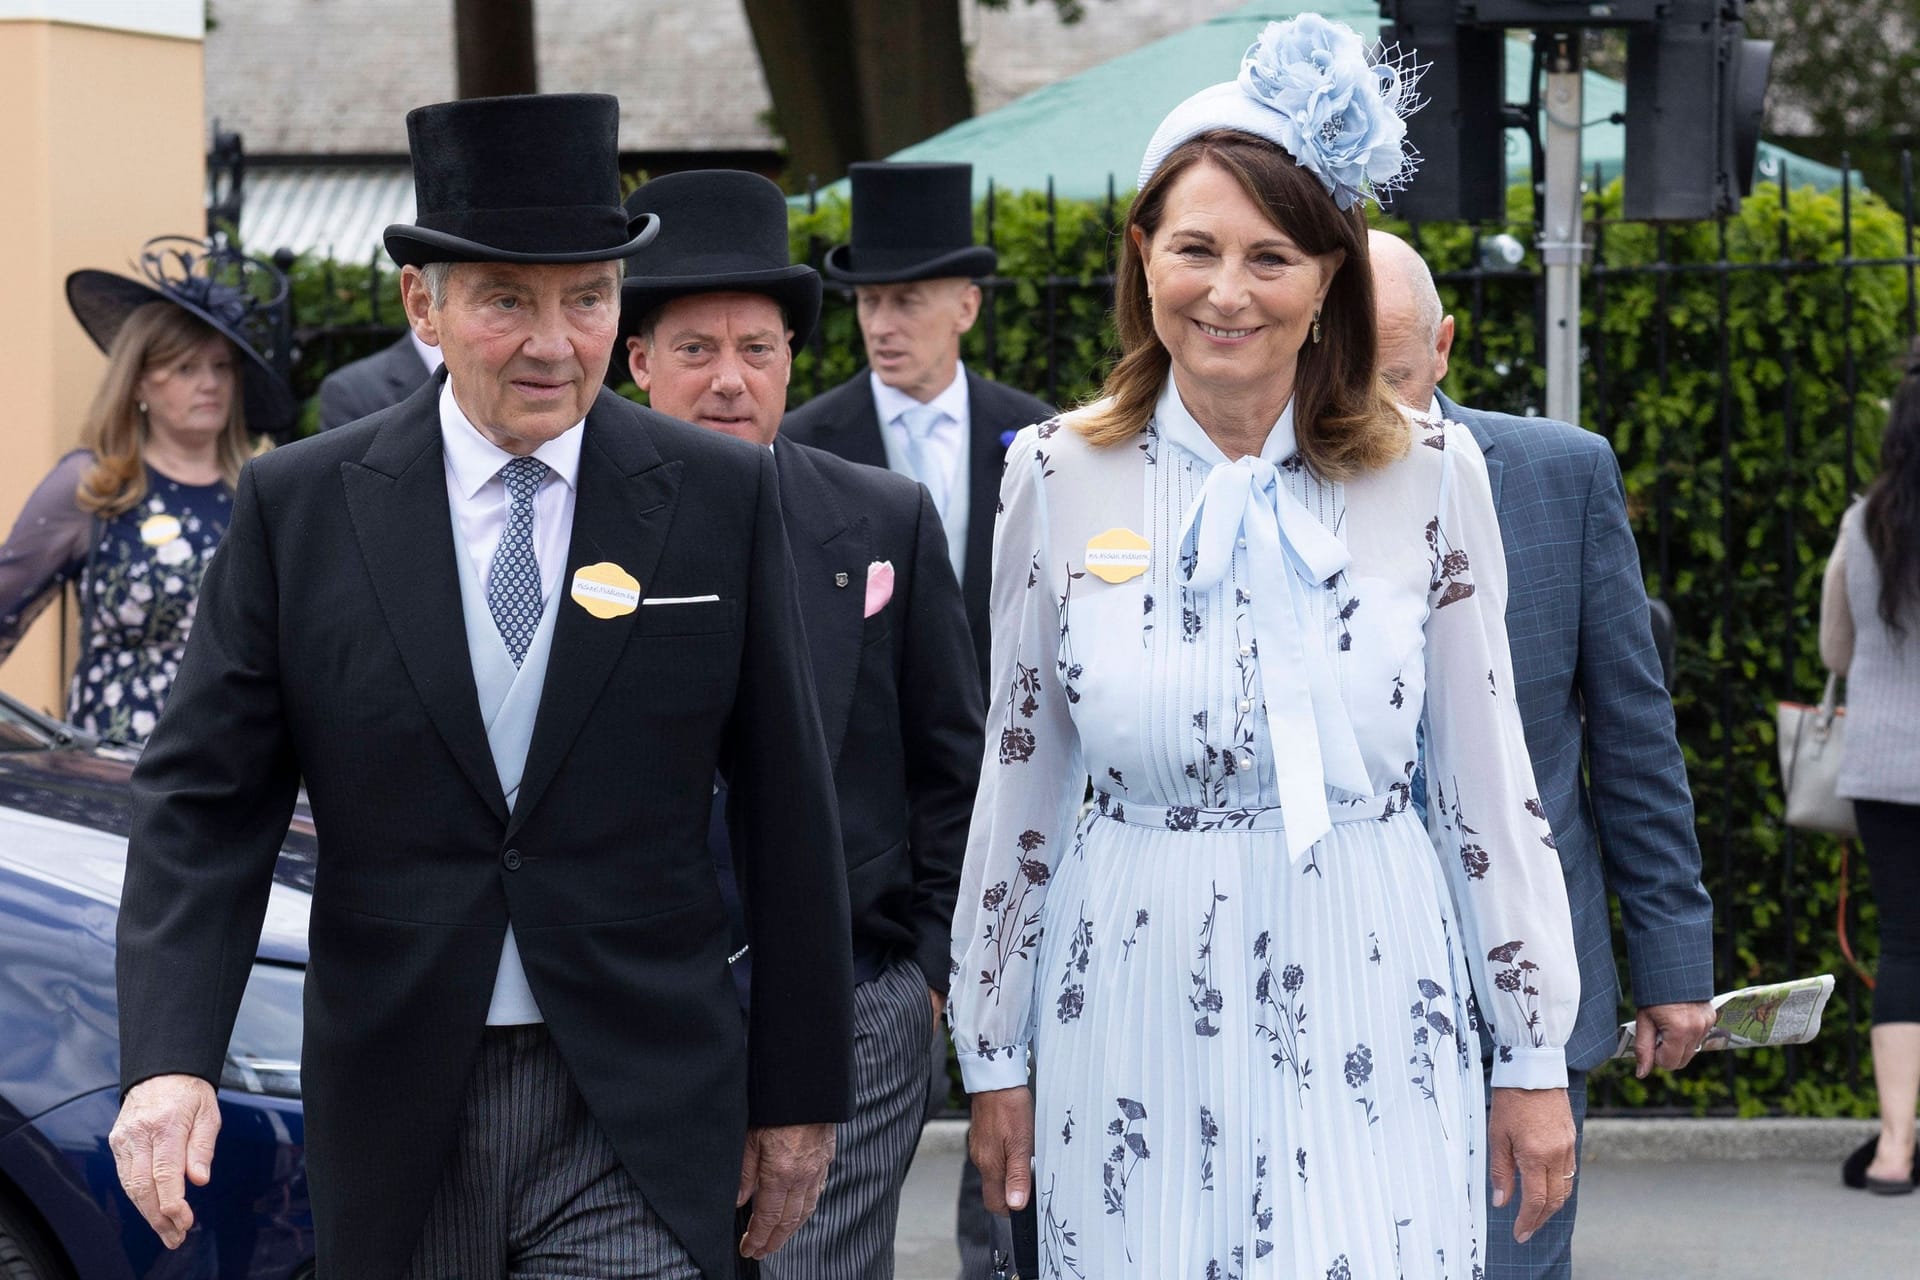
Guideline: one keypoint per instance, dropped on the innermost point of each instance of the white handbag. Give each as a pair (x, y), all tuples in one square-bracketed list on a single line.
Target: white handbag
[(1810, 740)]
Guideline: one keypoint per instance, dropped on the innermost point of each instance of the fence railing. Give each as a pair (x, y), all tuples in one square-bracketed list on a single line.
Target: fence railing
[(1740, 367)]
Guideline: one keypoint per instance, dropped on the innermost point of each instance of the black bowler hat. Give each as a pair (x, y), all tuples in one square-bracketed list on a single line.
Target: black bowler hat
[(530, 178), (725, 232), (240, 298), (910, 222)]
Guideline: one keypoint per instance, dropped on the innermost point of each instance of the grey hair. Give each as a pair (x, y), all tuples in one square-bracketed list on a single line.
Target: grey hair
[(436, 274)]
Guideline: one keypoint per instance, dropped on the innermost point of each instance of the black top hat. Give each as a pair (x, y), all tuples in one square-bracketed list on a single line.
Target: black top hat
[(238, 297), (532, 178), (726, 232), (910, 222)]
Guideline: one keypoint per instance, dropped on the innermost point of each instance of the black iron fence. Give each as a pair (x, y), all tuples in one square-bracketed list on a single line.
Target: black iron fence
[(1741, 369)]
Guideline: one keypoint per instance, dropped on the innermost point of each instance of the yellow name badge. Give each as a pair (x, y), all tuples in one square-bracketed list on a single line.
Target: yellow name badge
[(158, 531), (1117, 555), (605, 590)]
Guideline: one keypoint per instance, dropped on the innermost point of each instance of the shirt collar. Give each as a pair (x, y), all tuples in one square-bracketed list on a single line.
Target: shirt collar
[(428, 353), (1177, 424), (891, 402), (474, 459)]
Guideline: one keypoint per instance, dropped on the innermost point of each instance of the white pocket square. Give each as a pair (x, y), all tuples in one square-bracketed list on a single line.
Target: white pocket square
[(679, 599)]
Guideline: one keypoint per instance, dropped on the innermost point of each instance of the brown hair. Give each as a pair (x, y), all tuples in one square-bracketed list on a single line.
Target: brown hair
[(1344, 419), (115, 432)]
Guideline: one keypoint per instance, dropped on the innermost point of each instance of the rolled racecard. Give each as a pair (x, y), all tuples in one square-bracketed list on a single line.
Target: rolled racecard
[(1779, 1013)]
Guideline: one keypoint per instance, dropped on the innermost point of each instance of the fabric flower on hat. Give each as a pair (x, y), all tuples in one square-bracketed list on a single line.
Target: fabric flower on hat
[(1340, 115)]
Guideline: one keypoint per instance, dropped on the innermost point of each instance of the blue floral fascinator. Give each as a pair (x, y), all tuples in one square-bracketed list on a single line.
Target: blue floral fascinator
[(243, 299), (1312, 88)]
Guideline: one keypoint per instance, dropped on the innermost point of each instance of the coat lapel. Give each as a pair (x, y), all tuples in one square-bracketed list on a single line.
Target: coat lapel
[(397, 501), (825, 543), (986, 459), (856, 423), (1465, 417), (622, 513)]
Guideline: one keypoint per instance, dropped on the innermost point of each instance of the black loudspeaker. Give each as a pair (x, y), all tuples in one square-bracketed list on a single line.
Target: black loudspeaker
[(1460, 131), (1695, 96)]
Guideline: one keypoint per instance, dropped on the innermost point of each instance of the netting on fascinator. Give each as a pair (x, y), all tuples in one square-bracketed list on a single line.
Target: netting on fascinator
[(1311, 87)]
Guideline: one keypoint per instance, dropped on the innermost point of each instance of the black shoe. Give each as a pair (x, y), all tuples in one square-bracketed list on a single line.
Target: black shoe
[(1853, 1172)]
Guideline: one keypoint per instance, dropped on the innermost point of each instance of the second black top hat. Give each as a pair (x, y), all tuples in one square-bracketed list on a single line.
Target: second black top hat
[(530, 178), (723, 231), (910, 222)]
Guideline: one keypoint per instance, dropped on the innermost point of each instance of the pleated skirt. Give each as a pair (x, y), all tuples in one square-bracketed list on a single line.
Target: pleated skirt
[(1247, 1067)]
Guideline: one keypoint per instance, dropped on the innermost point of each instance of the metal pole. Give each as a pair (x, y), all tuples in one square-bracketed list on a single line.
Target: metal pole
[(1561, 244)]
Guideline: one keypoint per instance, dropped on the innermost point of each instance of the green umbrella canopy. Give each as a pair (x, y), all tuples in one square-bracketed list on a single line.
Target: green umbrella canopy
[(1092, 127)]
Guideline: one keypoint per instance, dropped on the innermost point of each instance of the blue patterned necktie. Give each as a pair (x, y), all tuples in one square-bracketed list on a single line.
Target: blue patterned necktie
[(513, 580), (922, 456)]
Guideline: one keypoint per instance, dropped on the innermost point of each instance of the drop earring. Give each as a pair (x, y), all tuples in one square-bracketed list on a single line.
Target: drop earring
[(1316, 328), (143, 407)]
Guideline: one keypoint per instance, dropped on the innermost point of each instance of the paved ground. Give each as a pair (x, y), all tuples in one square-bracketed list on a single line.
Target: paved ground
[(1766, 1205)]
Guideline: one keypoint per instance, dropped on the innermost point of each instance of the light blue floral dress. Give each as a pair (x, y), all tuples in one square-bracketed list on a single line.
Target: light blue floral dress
[(139, 596), (1244, 971)]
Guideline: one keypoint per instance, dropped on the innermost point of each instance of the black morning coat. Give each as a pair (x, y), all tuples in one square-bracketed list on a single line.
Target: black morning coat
[(898, 699), (384, 378), (843, 421), (330, 645)]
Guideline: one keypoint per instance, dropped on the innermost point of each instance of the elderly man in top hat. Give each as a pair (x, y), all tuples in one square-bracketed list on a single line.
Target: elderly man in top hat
[(505, 632), (917, 409), (712, 312), (1598, 719)]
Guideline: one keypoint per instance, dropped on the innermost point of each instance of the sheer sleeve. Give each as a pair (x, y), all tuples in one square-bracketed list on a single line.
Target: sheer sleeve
[(1487, 820), (48, 545), (1031, 784)]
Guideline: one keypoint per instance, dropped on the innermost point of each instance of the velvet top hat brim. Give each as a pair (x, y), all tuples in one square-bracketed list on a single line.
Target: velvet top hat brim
[(796, 289), (725, 232), (102, 301), (531, 178), (850, 264), (582, 235)]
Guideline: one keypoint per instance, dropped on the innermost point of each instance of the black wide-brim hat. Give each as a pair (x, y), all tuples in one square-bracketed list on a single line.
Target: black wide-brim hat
[(910, 222), (235, 296), (529, 178), (724, 231)]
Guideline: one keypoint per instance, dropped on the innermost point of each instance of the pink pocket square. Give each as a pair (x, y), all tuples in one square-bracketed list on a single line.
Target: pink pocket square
[(879, 586)]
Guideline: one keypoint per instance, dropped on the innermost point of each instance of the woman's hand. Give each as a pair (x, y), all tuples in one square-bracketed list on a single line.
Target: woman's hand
[(1529, 1132), (1000, 1140)]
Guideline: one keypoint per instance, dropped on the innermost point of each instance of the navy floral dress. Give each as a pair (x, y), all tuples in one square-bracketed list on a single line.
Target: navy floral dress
[(1246, 970), (138, 601)]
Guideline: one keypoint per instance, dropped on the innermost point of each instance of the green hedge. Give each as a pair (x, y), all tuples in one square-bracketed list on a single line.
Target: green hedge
[(1785, 341)]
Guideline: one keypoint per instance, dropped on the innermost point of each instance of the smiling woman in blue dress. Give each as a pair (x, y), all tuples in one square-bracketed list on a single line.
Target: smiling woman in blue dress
[(1230, 592), (134, 515)]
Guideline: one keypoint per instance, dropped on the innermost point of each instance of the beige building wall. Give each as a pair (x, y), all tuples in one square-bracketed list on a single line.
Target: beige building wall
[(103, 148)]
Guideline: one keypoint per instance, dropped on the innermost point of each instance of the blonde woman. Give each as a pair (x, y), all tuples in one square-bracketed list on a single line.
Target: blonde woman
[(135, 514)]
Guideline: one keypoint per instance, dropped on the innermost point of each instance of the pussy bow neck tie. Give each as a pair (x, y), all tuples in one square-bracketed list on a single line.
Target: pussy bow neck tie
[(1309, 736)]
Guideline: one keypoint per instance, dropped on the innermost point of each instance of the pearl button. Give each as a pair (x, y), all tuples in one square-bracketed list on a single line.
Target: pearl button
[(1246, 651), (1246, 762), (1246, 704), (1243, 542)]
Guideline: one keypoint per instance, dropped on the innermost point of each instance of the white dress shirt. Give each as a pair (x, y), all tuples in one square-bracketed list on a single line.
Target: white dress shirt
[(428, 353), (947, 443), (477, 497)]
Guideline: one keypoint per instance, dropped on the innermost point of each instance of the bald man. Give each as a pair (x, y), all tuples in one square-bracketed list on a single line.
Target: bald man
[(1589, 688)]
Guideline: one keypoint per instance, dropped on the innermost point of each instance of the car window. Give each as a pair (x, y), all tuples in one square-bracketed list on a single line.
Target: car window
[(17, 733)]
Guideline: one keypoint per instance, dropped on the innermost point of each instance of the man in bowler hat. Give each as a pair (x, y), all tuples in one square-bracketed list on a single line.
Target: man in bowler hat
[(917, 409), (506, 632), (711, 314)]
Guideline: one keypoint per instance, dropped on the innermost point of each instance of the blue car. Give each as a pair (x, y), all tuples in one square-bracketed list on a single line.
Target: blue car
[(64, 818)]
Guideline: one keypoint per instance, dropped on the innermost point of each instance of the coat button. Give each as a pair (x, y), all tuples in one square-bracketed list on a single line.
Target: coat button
[(511, 860)]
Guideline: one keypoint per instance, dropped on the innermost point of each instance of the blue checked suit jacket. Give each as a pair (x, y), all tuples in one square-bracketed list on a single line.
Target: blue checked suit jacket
[(1590, 693)]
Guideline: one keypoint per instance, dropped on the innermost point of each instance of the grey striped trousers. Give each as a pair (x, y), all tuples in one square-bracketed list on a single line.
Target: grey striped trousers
[(533, 1190), (850, 1235)]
